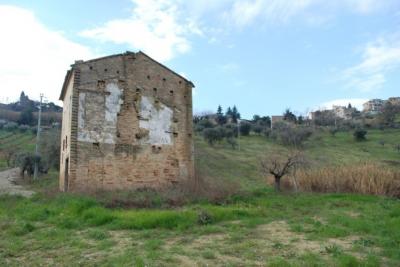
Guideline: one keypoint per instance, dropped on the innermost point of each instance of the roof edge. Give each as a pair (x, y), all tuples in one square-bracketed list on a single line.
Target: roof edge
[(65, 84), (162, 65)]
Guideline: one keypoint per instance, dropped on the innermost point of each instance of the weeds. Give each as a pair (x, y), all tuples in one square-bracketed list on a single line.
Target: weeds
[(333, 249)]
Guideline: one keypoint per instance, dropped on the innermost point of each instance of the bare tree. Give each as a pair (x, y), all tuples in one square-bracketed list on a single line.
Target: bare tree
[(280, 164)]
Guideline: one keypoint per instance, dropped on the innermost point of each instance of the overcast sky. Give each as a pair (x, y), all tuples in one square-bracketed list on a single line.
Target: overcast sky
[(262, 55)]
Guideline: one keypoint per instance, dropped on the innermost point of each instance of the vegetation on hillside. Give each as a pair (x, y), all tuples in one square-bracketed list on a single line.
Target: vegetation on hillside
[(231, 216), (25, 112)]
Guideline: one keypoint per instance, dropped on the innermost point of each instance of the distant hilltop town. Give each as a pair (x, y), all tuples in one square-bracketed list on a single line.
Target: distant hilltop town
[(372, 107)]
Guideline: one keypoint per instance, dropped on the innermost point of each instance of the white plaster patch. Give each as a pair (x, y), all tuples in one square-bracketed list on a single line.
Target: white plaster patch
[(157, 120), (113, 102), (102, 130)]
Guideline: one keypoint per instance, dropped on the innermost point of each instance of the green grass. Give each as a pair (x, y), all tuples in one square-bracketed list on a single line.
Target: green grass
[(80, 225)]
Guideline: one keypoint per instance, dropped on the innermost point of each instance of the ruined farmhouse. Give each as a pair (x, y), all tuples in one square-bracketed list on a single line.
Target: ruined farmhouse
[(127, 123)]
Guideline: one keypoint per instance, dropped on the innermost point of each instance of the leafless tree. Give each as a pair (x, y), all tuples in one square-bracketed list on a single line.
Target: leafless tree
[(279, 164)]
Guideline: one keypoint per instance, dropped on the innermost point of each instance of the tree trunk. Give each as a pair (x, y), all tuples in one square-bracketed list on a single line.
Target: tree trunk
[(277, 184)]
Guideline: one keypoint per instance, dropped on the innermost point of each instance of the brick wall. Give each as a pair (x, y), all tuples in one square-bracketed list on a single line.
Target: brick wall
[(130, 126)]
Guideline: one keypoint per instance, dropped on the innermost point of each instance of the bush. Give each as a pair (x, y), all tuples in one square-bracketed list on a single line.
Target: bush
[(231, 130), (2, 123), (204, 218), (26, 117), (34, 130), (26, 163), (333, 131), (245, 128), (267, 132), (257, 129), (221, 132), (23, 128), (211, 135), (360, 134), (50, 148), (10, 126), (205, 123), (232, 142), (293, 136), (198, 128)]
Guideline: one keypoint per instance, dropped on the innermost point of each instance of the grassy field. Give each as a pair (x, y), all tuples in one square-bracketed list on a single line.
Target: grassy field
[(264, 228), (256, 228)]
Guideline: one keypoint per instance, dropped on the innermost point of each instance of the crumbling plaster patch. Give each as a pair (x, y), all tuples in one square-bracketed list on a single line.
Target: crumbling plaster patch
[(103, 132), (113, 102), (157, 119)]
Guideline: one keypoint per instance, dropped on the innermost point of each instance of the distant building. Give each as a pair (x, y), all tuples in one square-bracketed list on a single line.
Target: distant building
[(394, 101), (343, 112), (275, 119), (373, 105)]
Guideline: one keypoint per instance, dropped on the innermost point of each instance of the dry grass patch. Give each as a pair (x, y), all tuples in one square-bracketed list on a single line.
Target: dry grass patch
[(366, 178), (279, 237)]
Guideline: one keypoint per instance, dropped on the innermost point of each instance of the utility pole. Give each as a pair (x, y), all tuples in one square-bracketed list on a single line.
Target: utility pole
[(35, 175), (238, 123)]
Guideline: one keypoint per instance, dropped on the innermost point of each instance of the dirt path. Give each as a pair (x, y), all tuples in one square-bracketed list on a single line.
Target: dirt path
[(8, 185)]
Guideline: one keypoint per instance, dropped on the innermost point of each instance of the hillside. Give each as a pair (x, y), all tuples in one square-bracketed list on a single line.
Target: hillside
[(322, 149), (257, 228), (15, 141)]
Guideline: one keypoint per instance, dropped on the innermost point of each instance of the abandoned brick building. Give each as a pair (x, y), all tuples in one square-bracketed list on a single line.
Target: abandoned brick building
[(127, 123)]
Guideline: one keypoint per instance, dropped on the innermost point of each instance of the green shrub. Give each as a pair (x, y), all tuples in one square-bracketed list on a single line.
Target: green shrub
[(23, 128), (10, 126), (258, 129), (212, 135), (245, 128), (360, 134), (204, 218)]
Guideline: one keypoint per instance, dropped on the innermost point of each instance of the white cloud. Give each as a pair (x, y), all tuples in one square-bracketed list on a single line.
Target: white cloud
[(245, 12), (158, 27), (33, 58), (355, 102), (378, 58)]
